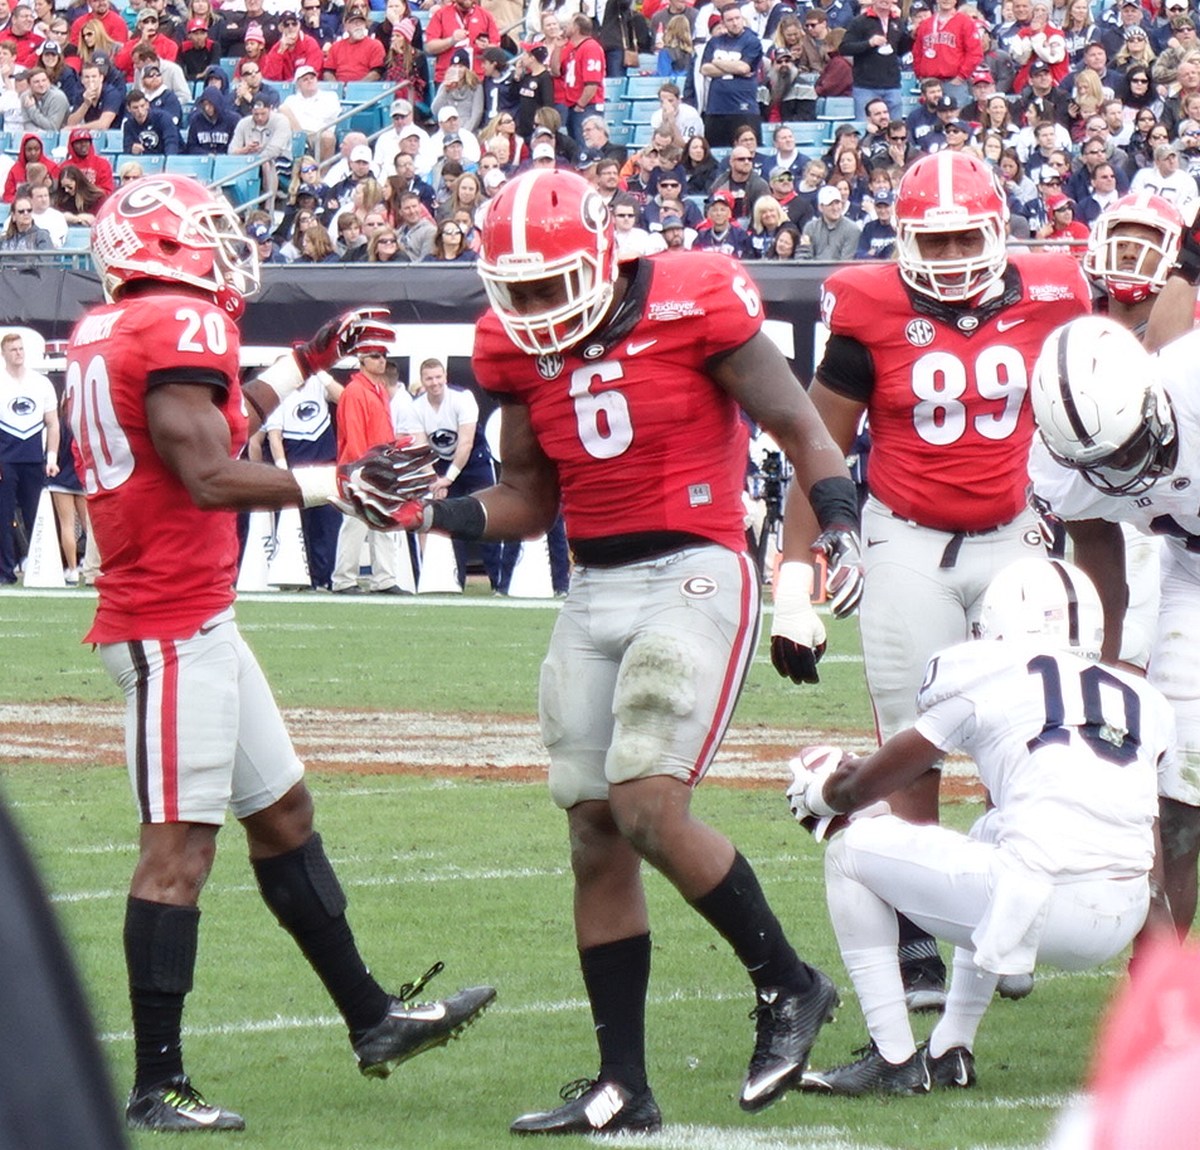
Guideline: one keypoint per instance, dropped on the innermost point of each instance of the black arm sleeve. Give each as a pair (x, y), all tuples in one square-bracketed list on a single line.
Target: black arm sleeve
[(848, 368)]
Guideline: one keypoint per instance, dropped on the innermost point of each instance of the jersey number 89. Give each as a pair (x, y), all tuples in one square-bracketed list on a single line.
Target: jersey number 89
[(939, 382)]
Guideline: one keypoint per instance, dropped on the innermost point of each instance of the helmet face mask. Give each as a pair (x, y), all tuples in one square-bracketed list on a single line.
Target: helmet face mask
[(951, 227), (171, 229), (548, 260), (1133, 246), (1046, 602), (1099, 408)]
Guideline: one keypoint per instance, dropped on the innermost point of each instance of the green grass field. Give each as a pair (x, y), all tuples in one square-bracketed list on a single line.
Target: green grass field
[(474, 873)]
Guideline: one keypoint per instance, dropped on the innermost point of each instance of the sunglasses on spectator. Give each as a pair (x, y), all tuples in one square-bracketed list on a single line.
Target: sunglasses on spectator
[(309, 168), (22, 211), (310, 7), (624, 215), (1139, 79), (668, 183), (386, 240), (250, 72)]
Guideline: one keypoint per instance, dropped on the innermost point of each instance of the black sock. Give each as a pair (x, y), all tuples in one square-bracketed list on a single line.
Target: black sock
[(305, 896), (916, 944), (617, 975), (160, 956), (738, 910)]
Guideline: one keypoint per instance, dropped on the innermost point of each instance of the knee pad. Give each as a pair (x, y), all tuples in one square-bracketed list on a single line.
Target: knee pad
[(160, 946), (655, 689), (301, 887)]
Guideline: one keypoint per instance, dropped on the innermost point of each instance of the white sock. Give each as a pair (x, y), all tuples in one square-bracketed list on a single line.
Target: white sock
[(970, 995)]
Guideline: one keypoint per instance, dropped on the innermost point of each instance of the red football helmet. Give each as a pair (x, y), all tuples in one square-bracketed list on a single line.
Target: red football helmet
[(172, 228), (1134, 245), (553, 228), (950, 192)]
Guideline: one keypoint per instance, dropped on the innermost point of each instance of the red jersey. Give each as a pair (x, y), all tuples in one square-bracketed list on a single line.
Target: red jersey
[(350, 60), (479, 23), (946, 388), (168, 566), (947, 48), (643, 439), (583, 64)]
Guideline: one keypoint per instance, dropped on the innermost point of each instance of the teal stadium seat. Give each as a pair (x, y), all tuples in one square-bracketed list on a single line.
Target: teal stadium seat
[(375, 118), (198, 167), (149, 163), (241, 186), (836, 108), (643, 87)]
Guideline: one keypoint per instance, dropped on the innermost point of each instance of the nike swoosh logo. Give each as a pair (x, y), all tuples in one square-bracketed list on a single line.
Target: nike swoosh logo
[(752, 1090), (430, 1012), (634, 348), (875, 542), (961, 1077), (1005, 324), (207, 1118)]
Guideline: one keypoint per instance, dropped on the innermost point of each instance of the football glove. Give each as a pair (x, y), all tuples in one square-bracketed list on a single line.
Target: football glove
[(379, 487), (797, 633), (810, 770), (341, 337), (844, 581)]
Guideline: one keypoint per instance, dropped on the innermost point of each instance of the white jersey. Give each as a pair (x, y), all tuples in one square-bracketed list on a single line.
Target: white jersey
[(1068, 749), (1172, 506), (24, 403), (305, 413), (440, 424)]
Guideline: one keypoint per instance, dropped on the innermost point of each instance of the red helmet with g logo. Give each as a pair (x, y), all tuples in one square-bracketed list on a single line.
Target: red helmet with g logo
[(1133, 246)]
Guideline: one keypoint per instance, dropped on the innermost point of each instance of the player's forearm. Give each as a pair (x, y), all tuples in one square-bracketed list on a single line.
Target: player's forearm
[(517, 513), (860, 782), (1099, 551)]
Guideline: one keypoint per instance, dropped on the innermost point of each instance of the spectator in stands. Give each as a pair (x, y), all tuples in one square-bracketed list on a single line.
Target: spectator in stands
[(102, 12), (357, 56), (742, 183), (832, 236), (294, 51), (598, 142), (199, 52), (321, 25), (467, 197), (387, 144), (148, 130), (130, 170), (312, 110), (460, 24), (535, 87), (500, 85), (403, 40), (316, 247), (1165, 178), (460, 91), (31, 151), (946, 46), (100, 103), (786, 244), (237, 27), (499, 136), (699, 168), (45, 105), (449, 124), (719, 232), (730, 61), (20, 33), (211, 125), (765, 221), (358, 172), (877, 241), (351, 240), (415, 230), (203, 10), (48, 218), (149, 33), (82, 152), (874, 42), (623, 33), (62, 75), (249, 87), (254, 47), (266, 135), (448, 245), (301, 219), (22, 234), (683, 120), (583, 70), (152, 80), (1103, 195), (796, 209), (405, 179), (384, 248), (77, 197), (94, 39)]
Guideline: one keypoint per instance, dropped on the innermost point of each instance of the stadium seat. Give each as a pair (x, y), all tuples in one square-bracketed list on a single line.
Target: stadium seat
[(241, 186), (807, 132), (620, 133), (198, 167), (835, 108), (613, 87), (378, 115), (640, 111), (149, 163), (643, 87), (79, 239), (641, 134)]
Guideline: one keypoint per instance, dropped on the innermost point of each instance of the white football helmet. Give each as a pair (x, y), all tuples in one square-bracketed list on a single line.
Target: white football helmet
[(1100, 408), (1047, 600), (553, 228), (949, 193), (1134, 245)]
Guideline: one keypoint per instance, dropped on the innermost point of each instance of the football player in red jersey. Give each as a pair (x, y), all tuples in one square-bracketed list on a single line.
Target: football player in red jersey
[(623, 387), (937, 349), (159, 421)]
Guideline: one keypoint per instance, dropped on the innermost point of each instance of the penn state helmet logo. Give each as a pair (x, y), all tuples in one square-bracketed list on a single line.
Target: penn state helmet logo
[(444, 441), (307, 411)]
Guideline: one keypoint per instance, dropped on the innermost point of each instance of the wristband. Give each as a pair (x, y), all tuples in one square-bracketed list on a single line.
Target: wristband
[(318, 485), (283, 376), (814, 797), (452, 473), (834, 502), (51, 457), (464, 518)]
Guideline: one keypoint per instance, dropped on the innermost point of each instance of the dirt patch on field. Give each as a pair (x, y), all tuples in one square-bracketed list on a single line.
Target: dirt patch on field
[(411, 742)]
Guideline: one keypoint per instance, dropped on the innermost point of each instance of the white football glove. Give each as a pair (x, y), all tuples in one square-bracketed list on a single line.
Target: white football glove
[(810, 770), (844, 581), (797, 633)]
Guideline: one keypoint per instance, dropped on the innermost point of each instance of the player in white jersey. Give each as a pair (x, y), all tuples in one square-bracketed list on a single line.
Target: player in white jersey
[(1108, 454), (1058, 871)]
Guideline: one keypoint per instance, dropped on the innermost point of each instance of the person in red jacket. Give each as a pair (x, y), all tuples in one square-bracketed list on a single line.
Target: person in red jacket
[(460, 24), (292, 49), (364, 416), (21, 35), (30, 152), (149, 33), (82, 153), (101, 10), (947, 47)]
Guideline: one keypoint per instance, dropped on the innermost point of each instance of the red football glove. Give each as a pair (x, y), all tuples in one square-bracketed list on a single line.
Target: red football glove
[(381, 487), (341, 337)]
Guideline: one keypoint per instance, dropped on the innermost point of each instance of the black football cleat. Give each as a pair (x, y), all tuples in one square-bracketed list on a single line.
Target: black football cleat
[(177, 1105), (955, 1068), (591, 1107), (871, 1074), (788, 1024), (924, 983), (410, 1028)]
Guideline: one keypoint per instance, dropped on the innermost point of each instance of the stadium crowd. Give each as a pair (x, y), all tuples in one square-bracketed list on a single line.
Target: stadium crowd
[(771, 131)]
